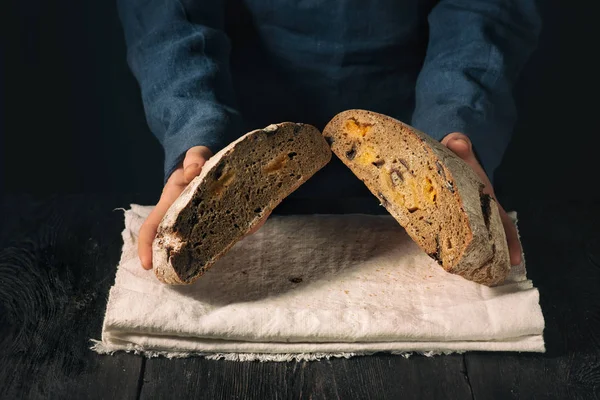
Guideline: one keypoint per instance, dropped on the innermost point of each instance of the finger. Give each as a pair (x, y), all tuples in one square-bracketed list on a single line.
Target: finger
[(191, 171), (146, 237), (194, 161), (177, 179), (196, 155), (460, 145), (171, 191), (149, 228), (512, 238)]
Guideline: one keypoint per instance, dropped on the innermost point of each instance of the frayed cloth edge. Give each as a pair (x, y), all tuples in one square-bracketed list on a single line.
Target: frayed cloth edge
[(101, 348)]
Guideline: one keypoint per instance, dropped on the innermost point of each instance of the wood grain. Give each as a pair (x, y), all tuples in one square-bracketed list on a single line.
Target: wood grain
[(57, 263), (372, 377), (558, 243)]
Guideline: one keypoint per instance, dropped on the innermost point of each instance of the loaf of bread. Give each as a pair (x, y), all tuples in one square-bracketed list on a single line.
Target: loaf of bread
[(430, 191), (237, 188)]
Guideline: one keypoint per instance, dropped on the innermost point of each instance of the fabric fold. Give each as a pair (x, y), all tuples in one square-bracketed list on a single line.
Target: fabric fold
[(313, 286)]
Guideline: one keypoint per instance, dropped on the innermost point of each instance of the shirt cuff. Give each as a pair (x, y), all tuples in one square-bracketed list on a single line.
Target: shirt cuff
[(214, 131)]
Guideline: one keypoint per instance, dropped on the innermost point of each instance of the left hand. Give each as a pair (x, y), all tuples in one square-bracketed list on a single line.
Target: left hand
[(187, 170), (461, 145)]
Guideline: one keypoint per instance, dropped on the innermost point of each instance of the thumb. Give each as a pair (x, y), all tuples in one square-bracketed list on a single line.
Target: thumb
[(193, 162), (191, 171), (459, 144), (197, 155)]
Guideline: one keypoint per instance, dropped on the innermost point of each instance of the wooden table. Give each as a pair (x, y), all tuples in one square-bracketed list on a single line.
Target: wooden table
[(57, 262)]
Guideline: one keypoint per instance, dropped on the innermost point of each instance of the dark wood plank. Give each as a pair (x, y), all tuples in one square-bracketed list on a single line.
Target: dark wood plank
[(57, 262), (395, 377), (562, 252), (370, 377)]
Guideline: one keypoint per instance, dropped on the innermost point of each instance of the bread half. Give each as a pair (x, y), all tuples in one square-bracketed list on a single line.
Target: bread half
[(236, 189), (429, 190)]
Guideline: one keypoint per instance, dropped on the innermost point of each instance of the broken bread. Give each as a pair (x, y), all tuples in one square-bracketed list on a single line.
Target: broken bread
[(430, 191), (237, 188)]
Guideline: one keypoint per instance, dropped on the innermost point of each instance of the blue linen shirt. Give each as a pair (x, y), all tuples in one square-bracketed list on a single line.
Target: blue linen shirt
[(212, 70)]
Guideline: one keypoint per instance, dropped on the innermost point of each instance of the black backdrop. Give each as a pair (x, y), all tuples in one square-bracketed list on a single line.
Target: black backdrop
[(72, 118)]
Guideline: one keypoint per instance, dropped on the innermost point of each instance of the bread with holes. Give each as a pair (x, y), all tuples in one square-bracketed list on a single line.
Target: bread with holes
[(430, 191), (235, 190)]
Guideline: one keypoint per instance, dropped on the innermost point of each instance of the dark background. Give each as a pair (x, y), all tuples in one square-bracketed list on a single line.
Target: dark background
[(73, 122)]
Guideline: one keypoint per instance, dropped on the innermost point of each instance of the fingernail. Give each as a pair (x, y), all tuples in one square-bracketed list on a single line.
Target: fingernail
[(461, 139), (465, 142)]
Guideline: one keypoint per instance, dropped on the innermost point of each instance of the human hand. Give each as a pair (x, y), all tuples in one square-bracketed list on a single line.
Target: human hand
[(177, 182), (462, 147)]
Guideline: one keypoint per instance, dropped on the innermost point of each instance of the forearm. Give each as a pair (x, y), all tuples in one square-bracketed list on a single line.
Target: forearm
[(180, 56), (475, 54)]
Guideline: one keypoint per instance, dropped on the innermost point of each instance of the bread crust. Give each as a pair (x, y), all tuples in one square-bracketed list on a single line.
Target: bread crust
[(241, 184), (469, 238)]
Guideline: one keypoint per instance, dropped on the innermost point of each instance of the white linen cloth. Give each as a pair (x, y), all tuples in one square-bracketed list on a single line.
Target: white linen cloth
[(313, 286)]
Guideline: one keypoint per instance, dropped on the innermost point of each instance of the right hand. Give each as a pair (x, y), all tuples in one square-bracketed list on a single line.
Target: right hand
[(461, 145), (177, 182)]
